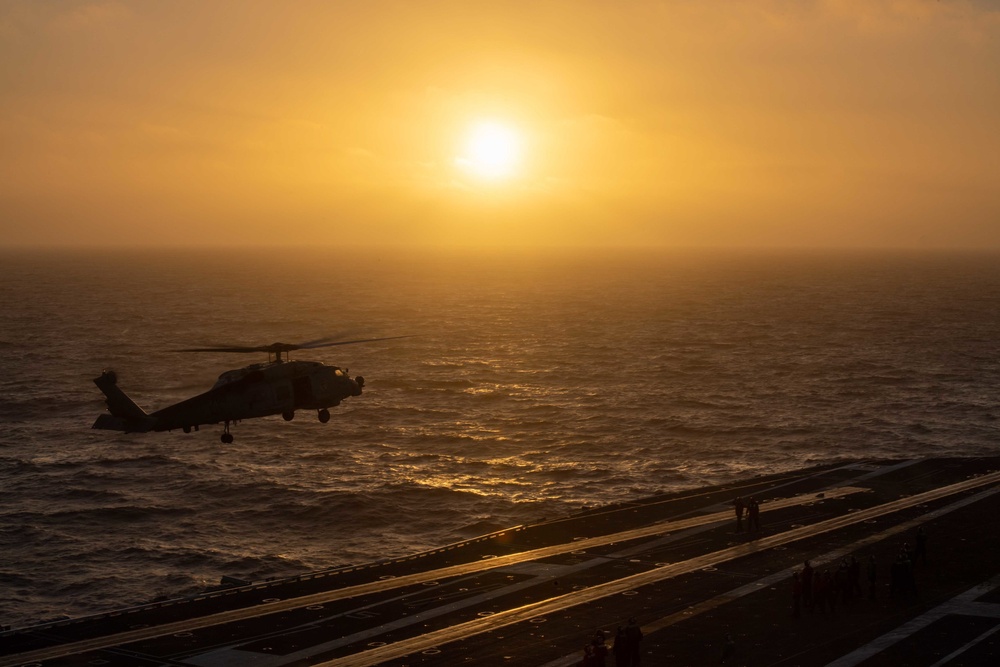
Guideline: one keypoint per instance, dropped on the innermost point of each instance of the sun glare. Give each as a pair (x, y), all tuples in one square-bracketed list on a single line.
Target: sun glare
[(491, 151)]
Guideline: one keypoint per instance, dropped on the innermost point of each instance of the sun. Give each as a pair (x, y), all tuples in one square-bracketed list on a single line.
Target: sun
[(492, 151)]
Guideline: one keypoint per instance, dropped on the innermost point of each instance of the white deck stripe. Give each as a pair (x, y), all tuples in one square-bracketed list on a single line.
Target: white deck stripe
[(962, 649), (960, 604)]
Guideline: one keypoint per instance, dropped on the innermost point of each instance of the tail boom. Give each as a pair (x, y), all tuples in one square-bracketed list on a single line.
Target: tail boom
[(125, 414)]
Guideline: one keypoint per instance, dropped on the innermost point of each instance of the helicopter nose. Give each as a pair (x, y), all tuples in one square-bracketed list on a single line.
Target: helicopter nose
[(359, 383)]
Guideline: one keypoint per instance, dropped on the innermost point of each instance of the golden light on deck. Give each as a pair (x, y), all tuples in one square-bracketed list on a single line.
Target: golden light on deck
[(491, 151)]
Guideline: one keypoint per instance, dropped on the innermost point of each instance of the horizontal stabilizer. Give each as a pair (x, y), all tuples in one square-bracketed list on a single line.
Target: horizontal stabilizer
[(113, 423)]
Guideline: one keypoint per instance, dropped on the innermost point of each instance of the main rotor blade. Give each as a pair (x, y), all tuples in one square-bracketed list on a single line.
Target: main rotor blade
[(222, 349), (326, 342), (340, 335), (274, 348)]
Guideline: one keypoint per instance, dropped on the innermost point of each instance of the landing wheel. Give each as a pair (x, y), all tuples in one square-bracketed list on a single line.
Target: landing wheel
[(324, 415), (187, 429), (227, 438), (288, 415)]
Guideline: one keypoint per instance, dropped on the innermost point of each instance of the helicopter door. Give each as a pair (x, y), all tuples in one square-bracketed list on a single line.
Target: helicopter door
[(302, 387)]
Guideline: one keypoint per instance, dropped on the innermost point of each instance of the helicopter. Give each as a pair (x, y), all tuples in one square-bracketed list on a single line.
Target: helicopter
[(279, 386)]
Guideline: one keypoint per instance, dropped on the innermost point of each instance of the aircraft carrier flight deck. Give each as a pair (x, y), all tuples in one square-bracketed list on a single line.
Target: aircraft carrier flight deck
[(701, 589)]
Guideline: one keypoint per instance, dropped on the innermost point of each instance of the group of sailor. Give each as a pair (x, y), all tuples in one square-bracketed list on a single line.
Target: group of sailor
[(752, 508), (625, 648), (822, 591)]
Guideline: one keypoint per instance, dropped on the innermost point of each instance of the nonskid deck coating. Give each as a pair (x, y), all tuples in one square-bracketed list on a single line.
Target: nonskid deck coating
[(385, 619)]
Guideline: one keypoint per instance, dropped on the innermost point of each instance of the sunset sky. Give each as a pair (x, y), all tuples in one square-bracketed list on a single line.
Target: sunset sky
[(831, 123)]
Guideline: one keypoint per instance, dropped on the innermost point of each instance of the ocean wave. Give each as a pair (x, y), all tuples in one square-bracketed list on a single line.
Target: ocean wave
[(531, 390)]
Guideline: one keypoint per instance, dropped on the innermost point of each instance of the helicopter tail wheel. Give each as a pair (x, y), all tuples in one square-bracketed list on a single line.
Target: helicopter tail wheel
[(324, 415), (288, 415)]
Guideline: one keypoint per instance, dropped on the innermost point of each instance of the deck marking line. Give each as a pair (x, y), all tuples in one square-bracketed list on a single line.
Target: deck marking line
[(216, 657), (962, 649), (954, 606), (502, 619), (970, 608), (379, 586), (260, 610)]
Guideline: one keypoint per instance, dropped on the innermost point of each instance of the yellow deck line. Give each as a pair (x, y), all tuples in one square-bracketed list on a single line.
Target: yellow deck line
[(544, 607), (189, 625)]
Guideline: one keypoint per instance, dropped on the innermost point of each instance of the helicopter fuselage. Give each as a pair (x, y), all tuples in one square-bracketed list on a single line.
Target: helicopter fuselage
[(258, 390)]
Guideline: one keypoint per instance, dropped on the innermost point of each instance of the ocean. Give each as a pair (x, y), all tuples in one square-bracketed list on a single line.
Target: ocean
[(535, 383)]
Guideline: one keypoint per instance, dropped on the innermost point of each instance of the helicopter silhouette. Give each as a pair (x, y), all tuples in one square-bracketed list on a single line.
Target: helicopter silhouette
[(280, 386)]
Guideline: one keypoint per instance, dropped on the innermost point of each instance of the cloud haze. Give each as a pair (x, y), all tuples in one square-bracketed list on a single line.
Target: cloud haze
[(677, 123)]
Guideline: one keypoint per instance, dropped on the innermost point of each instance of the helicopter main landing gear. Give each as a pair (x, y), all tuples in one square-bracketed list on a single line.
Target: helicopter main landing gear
[(227, 437), (324, 415), (288, 415)]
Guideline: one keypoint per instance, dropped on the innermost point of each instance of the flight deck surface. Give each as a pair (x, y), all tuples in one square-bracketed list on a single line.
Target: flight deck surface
[(535, 595)]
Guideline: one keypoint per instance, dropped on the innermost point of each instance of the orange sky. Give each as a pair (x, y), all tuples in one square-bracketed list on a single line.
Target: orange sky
[(678, 123)]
